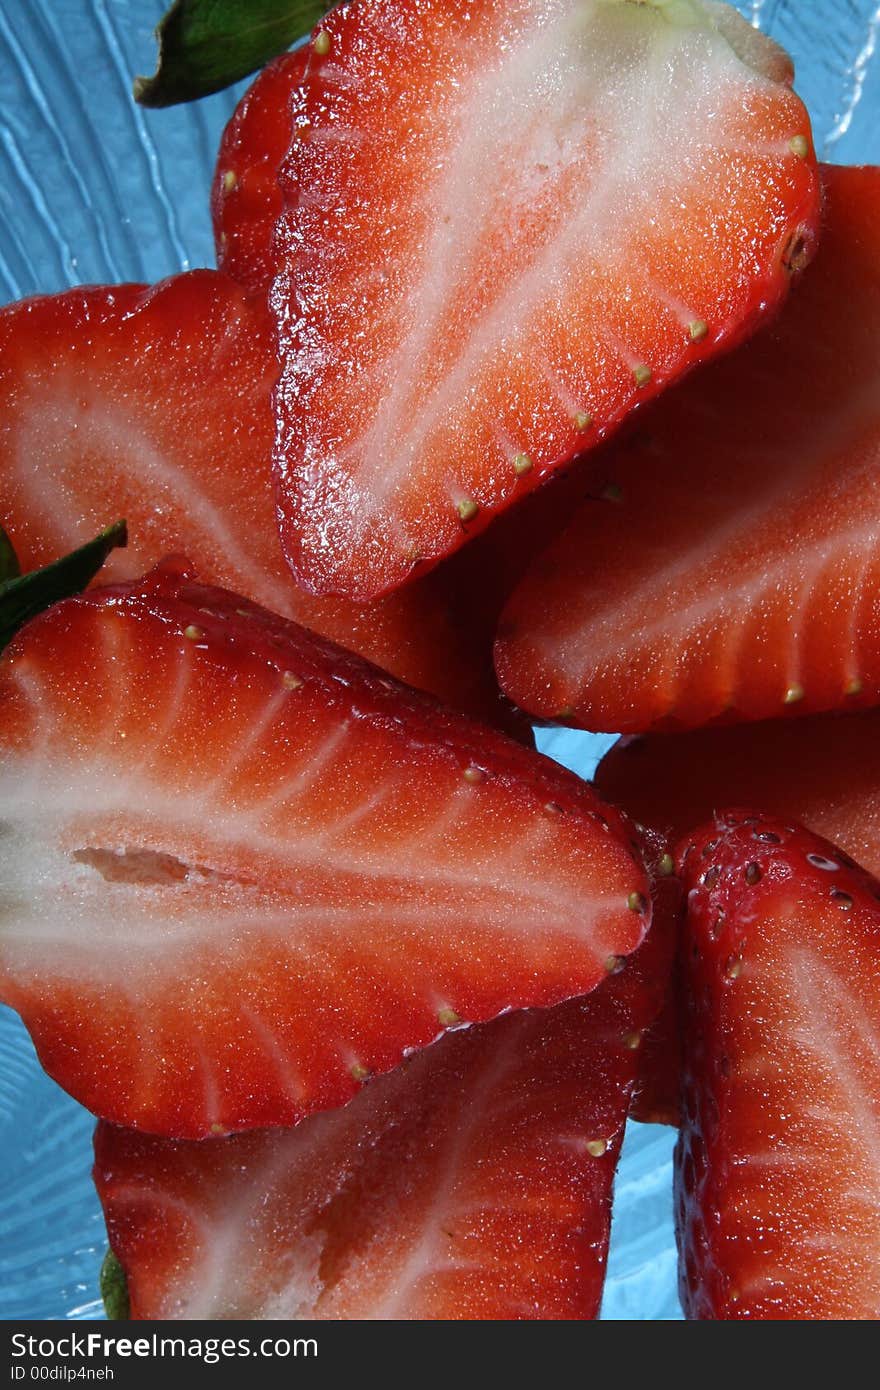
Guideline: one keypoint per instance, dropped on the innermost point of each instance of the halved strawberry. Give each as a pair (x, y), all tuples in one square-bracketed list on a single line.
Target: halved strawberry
[(655, 1097), (246, 202), (778, 1188), (154, 404), (736, 577), (823, 771), (472, 1182), (245, 197), (245, 869), (506, 226)]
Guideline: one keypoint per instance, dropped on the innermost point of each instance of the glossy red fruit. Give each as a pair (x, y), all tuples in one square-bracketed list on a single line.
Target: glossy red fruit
[(474, 1182), (487, 258), (736, 578), (822, 771), (476, 583), (778, 1195), (246, 869), (154, 404), (245, 197), (656, 1094)]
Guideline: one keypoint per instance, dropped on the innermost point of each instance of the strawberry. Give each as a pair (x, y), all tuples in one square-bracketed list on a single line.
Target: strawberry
[(655, 1098), (154, 404), (245, 197), (758, 596), (246, 202), (486, 260), (777, 1186), (823, 771), (472, 1182), (247, 869)]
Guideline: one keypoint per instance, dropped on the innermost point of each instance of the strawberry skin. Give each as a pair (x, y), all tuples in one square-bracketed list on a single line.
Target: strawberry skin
[(154, 404), (777, 1189), (823, 772), (484, 263), (247, 869), (474, 1182), (757, 597), (245, 197)]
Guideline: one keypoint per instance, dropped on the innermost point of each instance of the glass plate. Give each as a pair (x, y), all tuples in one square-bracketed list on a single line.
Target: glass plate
[(93, 189)]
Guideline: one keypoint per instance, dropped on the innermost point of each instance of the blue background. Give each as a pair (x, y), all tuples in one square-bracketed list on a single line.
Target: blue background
[(92, 189)]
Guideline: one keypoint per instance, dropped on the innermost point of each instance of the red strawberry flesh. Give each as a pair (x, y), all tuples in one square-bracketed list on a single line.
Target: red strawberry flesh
[(736, 576), (474, 1182), (505, 227), (778, 1197), (245, 197), (154, 405), (246, 869), (822, 771)]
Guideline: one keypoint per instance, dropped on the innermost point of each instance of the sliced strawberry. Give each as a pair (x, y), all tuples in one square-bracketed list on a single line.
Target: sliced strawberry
[(823, 771), (246, 202), (246, 869), (505, 227), (154, 404), (245, 197), (656, 1094), (472, 1182), (730, 581), (778, 1186)]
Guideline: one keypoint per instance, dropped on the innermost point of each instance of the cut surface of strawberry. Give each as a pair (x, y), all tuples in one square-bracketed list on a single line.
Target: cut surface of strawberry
[(474, 1182), (154, 404), (778, 1194), (822, 771), (246, 869), (655, 1097), (505, 226), (736, 576), (245, 197)]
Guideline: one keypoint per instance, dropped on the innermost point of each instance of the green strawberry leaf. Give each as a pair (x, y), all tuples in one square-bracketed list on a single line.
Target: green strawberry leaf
[(23, 596), (114, 1289), (205, 45), (9, 566)]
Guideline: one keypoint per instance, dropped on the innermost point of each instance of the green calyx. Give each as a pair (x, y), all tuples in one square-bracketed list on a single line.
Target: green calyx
[(23, 596), (206, 45), (114, 1289)]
